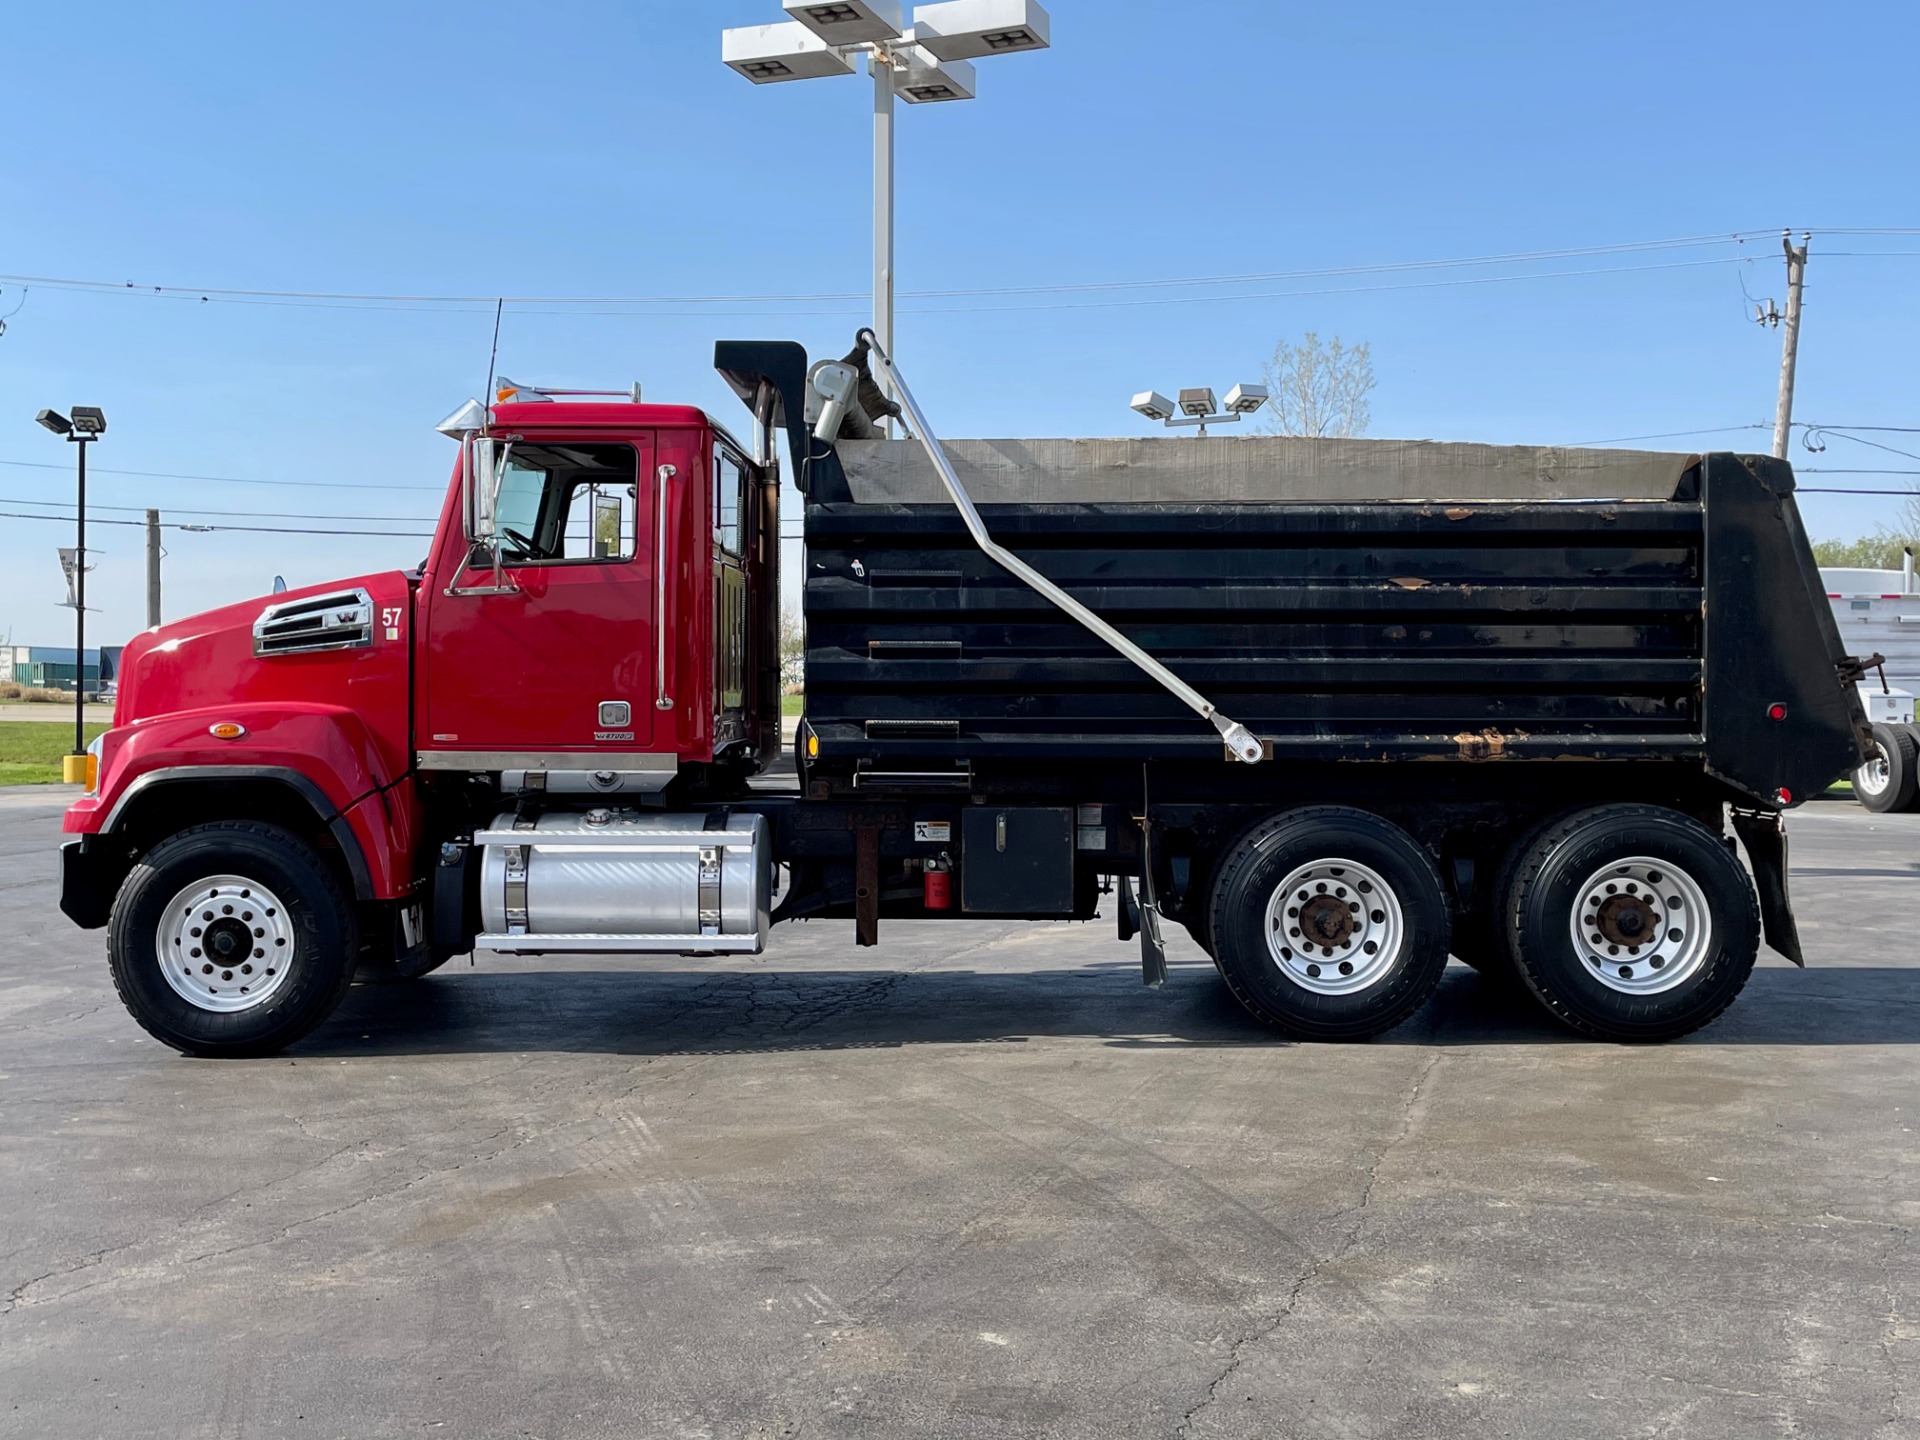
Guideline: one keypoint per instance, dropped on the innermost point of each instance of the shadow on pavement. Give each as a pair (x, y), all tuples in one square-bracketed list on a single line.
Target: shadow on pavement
[(642, 1011)]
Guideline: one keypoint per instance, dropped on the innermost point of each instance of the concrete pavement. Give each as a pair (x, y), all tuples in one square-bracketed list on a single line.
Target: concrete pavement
[(975, 1183)]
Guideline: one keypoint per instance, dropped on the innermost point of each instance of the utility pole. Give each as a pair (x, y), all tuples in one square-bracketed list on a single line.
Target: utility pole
[(153, 568), (1789, 341), (880, 62)]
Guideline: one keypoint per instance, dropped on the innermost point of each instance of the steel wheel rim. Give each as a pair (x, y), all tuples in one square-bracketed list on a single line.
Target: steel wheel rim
[(1354, 927), (1874, 776), (225, 944), (1641, 890)]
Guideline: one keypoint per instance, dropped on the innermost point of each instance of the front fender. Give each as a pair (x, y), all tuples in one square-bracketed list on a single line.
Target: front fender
[(323, 754), (326, 745)]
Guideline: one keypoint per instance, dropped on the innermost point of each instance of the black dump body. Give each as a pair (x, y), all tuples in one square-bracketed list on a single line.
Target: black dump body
[(1533, 613)]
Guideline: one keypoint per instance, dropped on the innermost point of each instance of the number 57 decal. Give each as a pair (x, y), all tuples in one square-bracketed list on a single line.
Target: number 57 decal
[(390, 620)]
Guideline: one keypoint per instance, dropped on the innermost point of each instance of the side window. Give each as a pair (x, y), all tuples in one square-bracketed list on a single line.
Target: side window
[(729, 510), (599, 522), (562, 502)]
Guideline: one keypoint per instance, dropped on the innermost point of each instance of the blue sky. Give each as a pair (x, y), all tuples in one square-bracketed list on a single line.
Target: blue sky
[(599, 148)]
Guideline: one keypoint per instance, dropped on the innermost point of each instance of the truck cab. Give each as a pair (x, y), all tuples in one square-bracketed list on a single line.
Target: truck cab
[(597, 621)]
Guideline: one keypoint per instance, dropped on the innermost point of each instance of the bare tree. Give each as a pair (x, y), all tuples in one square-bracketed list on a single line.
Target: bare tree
[(1319, 390), (793, 648)]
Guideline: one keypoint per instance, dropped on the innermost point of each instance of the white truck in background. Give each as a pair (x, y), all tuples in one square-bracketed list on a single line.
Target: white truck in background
[(1878, 612)]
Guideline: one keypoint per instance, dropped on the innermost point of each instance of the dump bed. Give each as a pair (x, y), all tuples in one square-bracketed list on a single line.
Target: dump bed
[(1348, 600)]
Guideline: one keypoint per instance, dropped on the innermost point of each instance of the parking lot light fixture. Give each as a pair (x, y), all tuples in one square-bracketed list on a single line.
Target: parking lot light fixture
[(86, 424), (1198, 408), (925, 63)]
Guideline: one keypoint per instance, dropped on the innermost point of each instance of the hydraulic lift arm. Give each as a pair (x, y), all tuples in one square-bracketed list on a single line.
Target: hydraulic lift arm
[(1241, 742)]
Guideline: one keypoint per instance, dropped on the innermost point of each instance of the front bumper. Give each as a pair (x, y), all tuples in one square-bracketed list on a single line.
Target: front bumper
[(87, 883)]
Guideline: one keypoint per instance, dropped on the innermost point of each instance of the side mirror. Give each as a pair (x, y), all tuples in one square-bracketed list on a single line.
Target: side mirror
[(481, 488)]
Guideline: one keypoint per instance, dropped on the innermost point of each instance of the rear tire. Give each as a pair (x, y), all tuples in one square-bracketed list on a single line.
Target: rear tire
[(1631, 922), (1482, 940), (231, 939), (1887, 781), (1359, 889)]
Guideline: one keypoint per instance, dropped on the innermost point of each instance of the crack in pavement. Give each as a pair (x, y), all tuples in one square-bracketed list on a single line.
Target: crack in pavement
[(1411, 1111)]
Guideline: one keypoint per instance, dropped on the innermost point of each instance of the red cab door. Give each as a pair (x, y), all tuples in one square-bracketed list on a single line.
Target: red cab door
[(561, 657)]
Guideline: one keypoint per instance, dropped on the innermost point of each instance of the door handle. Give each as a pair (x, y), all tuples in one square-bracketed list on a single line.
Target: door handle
[(663, 694)]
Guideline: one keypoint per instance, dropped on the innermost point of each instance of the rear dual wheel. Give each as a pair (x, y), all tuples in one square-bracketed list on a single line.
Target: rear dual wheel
[(1629, 922), (1888, 779), (1329, 923)]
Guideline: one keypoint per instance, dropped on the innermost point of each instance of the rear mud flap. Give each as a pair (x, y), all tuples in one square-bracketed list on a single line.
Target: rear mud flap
[(1153, 952), (1764, 834)]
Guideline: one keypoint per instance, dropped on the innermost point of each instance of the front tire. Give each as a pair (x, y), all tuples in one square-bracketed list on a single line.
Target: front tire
[(1632, 923), (1329, 923), (231, 939)]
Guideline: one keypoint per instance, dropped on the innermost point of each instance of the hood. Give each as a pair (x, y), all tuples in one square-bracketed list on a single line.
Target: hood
[(342, 643)]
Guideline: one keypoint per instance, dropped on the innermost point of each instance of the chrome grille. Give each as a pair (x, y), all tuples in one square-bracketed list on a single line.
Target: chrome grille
[(340, 621)]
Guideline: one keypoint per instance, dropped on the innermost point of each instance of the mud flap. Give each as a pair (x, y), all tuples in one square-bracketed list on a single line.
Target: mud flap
[(1129, 909), (1764, 834), (1153, 952)]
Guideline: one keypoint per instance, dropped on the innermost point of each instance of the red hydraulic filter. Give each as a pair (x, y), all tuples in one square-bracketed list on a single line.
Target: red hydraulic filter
[(938, 884)]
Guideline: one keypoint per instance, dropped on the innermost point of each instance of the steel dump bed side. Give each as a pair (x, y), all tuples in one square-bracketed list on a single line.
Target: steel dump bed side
[(1349, 601)]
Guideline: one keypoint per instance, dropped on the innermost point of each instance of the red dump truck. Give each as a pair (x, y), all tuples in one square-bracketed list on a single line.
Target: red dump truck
[(1339, 708)]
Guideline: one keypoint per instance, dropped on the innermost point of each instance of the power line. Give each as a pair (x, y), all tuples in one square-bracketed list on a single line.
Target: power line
[(226, 479), (93, 505), (1668, 435), (220, 529), (211, 293), (1821, 432), (467, 303)]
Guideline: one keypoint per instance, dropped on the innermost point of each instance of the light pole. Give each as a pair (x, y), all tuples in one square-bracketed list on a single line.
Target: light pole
[(925, 63), (1198, 407), (87, 425)]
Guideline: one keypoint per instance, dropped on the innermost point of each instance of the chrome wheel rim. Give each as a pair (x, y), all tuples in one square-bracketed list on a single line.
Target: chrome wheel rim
[(1874, 776), (1642, 925), (1335, 926), (225, 944)]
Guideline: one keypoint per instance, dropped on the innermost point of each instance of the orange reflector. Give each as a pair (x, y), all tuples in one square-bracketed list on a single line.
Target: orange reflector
[(78, 770), (500, 397), (226, 730), (813, 746)]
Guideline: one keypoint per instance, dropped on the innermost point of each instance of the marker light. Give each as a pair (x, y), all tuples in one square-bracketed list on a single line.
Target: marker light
[(226, 730), (1776, 711)]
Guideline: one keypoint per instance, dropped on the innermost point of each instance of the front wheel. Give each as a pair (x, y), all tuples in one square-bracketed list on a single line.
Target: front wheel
[(1329, 923), (1630, 922), (231, 939)]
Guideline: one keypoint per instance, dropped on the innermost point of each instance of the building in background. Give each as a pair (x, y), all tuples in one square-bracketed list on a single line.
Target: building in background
[(50, 667)]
